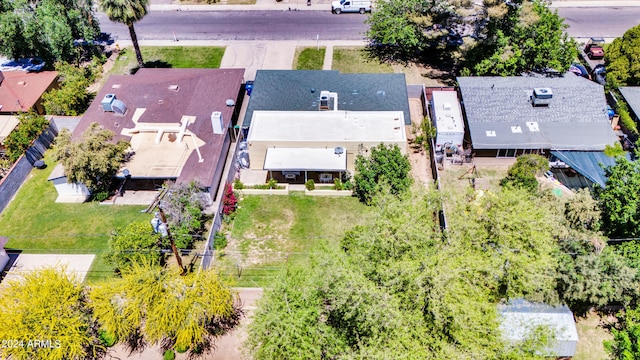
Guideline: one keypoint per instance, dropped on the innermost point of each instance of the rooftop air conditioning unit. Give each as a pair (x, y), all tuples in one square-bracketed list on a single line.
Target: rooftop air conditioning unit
[(324, 100), (107, 102), (541, 96)]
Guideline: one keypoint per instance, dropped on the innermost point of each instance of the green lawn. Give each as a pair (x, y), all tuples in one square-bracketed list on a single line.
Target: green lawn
[(169, 57), (355, 60), (269, 231), (309, 58), (34, 223)]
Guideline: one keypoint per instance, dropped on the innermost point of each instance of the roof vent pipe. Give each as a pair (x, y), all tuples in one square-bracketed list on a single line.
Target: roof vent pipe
[(216, 122)]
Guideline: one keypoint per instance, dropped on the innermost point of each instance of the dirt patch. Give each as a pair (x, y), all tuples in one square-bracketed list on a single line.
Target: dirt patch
[(592, 332), (421, 74), (418, 157)]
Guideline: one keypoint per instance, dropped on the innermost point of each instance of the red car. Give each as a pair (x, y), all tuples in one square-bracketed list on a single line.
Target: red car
[(594, 49)]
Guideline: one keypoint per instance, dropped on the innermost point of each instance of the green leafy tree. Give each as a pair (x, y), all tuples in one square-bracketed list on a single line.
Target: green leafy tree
[(127, 12), (523, 36), (154, 305), (393, 289), (620, 198), (385, 165), (93, 160), (47, 305), (588, 278), (515, 249), (622, 59), (184, 207), (72, 97), (136, 243), (582, 211), (523, 173), (403, 30), (626, 336), (30, 126), (45, 28)]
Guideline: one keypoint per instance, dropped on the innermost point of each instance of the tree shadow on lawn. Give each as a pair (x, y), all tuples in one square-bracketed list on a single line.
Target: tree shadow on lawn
[(155, 64)]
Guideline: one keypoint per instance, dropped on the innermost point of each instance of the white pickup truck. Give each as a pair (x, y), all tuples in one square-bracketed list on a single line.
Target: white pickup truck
[(361, 6)]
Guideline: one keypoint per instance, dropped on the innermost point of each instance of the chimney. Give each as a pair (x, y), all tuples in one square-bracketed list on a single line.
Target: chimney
[(216, 122)]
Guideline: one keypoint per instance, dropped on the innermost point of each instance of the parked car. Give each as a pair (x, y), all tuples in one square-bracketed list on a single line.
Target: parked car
[(361, 6), (25, 64), (579, 70), (599, 74), (594, 49)]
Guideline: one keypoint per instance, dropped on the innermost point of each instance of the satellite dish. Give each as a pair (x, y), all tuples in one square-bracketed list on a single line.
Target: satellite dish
[(230, 102), (338, 150)]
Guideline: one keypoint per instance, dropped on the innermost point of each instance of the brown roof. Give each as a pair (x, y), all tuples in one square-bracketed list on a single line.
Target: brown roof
[(199, 93), (20, 90)]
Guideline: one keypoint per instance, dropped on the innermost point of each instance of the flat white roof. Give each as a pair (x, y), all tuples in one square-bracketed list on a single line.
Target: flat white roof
[(7, 124), (305, 159), (447, 113), (75, 265), (328, 126)]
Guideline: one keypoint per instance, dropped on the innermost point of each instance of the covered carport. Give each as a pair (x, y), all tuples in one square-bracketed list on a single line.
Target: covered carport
[(298, 165)]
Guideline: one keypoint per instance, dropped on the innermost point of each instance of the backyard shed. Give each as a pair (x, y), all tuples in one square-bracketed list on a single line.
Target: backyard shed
[(520, 317), (67, 192)]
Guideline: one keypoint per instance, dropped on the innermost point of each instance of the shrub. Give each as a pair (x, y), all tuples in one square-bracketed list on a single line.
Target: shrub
[(181, 349), (219, 241), (347, 185), (229, 201), (108, 339), (625, 119), (310, 185), (237, 184), (30, 126), (272, 183), (337, 184), (169, 355), (100, 196), (523, 173)]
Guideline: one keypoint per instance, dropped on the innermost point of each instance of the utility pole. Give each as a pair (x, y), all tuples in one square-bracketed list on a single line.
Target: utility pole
[(160, 225)]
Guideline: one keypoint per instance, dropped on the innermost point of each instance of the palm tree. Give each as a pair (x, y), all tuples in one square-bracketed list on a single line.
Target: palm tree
[(127, 12)]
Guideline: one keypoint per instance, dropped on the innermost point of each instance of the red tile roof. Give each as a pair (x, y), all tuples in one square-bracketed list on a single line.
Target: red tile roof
[(20, 91), (200, 92)]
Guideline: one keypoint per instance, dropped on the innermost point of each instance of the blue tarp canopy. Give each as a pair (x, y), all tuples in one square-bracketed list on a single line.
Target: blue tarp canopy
[(590, 164)]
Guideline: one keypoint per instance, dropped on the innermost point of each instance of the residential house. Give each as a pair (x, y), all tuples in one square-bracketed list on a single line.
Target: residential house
[(303, 125), (22, 91), (631, 95), (563, 118), (177, 122), (519, 319)]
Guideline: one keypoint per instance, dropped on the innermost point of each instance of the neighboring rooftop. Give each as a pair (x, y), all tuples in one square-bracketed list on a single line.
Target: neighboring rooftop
[(299, 90), (447, 111), (520, 318), (327, 126), (168, 119), (631, 95), (571, 113), (20, 91)]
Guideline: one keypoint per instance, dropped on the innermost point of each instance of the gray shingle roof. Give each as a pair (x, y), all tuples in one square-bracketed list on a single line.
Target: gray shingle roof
[(291, 90), (576, 118), (631, 95)]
